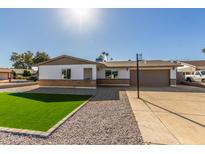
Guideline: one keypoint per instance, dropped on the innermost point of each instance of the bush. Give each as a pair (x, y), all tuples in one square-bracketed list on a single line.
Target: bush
[(19, 77), (26, 73), (33, 78), (13, 74)]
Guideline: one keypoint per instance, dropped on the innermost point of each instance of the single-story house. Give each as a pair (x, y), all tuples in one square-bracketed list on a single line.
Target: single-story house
[(76, 72), (186, 68), (5, 74)]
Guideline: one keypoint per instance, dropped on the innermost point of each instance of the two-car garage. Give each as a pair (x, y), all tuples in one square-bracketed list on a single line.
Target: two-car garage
[(153, 73), (150, 77)]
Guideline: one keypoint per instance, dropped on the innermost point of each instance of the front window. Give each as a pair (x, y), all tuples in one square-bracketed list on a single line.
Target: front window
[(109, 74), (66, 73)]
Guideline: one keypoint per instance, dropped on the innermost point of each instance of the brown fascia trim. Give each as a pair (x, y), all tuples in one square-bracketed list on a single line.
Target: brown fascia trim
[(65, 56), (5, 71), (200, 66), (142, 66)]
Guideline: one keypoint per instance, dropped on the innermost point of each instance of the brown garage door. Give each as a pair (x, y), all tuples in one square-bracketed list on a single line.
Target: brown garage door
[(150, 77), (4, 76)]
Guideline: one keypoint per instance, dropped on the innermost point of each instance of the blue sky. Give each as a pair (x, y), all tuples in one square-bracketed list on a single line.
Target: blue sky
[(156, 33)]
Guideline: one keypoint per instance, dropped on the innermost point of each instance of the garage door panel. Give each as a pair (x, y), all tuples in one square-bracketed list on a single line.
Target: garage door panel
[(150, 77), (3, 76)]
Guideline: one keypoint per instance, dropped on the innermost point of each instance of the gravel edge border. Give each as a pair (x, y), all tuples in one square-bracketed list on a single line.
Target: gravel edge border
[(41, 133)]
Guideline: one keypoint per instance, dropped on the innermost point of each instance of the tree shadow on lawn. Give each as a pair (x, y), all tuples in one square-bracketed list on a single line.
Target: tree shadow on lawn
[(101, 93), (50, 98)]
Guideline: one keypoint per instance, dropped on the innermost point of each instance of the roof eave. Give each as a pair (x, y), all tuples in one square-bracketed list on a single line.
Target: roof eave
[(65, 56), (142, 66)]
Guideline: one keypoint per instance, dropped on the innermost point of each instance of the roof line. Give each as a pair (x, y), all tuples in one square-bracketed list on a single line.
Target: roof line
[(64, 56), (187, 64)]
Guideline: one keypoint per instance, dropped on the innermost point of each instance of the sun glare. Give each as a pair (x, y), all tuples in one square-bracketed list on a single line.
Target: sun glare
[(81, 18), (81, 14)]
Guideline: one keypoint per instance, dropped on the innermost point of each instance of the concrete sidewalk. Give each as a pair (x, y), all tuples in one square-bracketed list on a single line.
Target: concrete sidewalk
[(167, 117), (20, 89), (17, 84)]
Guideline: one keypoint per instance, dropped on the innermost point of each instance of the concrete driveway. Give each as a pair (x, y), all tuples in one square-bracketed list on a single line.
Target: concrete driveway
[(170, 115)]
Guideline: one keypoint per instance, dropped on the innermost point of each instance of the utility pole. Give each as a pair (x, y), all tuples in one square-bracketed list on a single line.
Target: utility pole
[(138, 58)]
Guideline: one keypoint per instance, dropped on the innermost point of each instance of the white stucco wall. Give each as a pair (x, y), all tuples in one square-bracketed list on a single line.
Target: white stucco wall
[(53, 72), (123, 73), (186, 68)]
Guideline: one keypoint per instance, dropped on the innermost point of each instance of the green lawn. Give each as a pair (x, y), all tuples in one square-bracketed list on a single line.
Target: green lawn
[(36, 111)]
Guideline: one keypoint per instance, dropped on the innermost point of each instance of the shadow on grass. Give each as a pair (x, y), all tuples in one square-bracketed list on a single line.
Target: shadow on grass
[(101, 93), (49, 98)]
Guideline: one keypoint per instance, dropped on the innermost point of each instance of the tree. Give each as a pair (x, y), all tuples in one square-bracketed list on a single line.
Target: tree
[(24, 60), (27, 59), (40, 57), (203, 50), (103, 53), (107, 55), (17, 60), (26, 73), (13, 74)]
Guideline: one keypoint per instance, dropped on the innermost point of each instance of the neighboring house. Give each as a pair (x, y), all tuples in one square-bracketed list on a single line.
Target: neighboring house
[(75, 72), (199, 64), (19, 72), (186, 68), (5, 74)]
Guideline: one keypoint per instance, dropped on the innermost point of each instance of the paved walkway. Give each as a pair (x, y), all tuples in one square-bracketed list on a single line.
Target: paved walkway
[(106, 119), (170, 115)]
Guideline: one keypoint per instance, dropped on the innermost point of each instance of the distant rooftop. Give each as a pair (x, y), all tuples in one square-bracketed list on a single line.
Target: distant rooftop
[(5, 70), (195, 62)]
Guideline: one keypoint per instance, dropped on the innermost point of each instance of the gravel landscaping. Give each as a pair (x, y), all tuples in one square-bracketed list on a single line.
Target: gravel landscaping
[(106, 119)]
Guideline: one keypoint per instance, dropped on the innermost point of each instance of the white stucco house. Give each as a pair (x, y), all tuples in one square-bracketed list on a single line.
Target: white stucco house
[(71, 71)]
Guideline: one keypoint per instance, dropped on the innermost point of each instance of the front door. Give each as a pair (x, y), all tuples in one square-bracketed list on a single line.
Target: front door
[(87, 73)]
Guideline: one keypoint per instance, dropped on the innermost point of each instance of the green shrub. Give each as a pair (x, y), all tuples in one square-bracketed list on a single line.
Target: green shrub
[(26, 73), (13, 74)]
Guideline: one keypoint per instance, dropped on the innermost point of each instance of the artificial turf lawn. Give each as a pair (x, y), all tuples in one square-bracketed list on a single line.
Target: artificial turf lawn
[(36, 111)]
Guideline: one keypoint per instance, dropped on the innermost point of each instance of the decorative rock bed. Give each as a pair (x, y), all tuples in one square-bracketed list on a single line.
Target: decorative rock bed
[(106, 119)]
